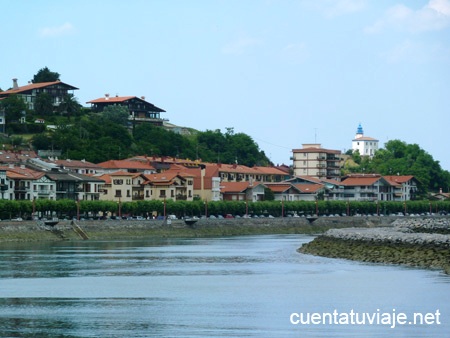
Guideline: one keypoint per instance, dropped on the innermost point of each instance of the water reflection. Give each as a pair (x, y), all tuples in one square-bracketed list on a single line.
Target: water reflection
[(241, 286)]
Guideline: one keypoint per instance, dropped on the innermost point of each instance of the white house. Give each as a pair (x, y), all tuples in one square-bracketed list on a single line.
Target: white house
[(367, 146)]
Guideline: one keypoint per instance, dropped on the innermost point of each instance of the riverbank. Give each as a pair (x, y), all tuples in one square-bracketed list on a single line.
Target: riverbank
[(421, 242), (124, 229)]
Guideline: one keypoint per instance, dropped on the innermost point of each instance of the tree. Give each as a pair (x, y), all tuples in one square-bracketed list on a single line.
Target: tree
[(116, 114), (14, 107), (45, 75), (43, 106), (41, 142), (69, 106)]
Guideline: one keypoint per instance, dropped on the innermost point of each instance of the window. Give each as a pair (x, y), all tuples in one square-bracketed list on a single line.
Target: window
[(162, 193), (118, 193), (172, 193), (128, 193), (118, 182)]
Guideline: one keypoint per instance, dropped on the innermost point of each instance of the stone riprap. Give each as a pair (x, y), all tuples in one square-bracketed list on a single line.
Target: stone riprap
[(410, 241)]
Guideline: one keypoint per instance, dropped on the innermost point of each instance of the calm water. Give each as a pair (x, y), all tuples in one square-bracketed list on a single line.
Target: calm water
[(222, 287)]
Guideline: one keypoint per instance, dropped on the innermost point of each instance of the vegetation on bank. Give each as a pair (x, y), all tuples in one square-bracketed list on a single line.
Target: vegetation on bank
[(69, 208)]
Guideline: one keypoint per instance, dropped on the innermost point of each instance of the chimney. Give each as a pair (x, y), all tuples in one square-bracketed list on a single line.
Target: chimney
[(106, 96), (143, 97), (15, 85)]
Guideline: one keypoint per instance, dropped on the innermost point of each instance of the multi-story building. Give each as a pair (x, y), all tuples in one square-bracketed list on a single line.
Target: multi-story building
[(366, 146), (313, 160)]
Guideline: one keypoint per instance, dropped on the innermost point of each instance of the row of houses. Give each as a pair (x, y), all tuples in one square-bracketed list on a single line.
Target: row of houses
[(152, 178)]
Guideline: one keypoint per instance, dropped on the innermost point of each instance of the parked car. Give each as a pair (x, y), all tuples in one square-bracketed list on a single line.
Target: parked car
[(229, 216)]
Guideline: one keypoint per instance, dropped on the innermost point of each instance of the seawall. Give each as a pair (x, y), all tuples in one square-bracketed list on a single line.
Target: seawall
[(123, 229)]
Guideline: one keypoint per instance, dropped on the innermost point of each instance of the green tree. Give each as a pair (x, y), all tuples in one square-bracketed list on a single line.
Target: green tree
[(69, 106), (41, 142), (116, 114), (154, 140), (14, 107), (45, 75), (43, 106)]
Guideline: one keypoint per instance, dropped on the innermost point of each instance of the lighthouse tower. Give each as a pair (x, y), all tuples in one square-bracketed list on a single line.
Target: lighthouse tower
[(367, 146), (359, 131)]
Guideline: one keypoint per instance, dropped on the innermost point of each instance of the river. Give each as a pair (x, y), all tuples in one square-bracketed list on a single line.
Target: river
[(249, 286)]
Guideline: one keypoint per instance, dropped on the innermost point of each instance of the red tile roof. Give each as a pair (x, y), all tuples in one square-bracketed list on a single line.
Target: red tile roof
[(123, 173), (308, 188), (396, 180), (112, 99), (32, 86), (125, 164), (277, 187), (22, 173), (236, 187), (360, 181)]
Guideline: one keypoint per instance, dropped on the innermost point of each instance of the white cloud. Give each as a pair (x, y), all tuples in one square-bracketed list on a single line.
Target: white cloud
[(435, 15), (241, 45), (64, 29)]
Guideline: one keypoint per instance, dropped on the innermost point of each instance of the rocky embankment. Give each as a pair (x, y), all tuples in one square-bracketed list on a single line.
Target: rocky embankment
[(124, 229), (421, 242)]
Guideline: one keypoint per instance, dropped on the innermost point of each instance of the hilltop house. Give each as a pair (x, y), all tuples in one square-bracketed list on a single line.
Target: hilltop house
[(366, 146), (139, 109), (56, 89)]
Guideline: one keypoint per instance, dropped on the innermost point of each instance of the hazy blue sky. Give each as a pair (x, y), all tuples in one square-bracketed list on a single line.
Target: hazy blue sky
[(283, 72)]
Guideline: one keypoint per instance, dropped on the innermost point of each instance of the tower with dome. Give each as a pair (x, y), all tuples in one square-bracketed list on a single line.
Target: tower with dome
[(367, 146)]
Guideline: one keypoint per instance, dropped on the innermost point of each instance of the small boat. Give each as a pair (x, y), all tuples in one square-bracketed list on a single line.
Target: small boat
[(190, 221), (51, 223)]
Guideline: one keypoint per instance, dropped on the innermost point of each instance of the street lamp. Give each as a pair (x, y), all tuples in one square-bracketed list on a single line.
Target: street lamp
[(164, 207), (120, 209), (34, 204), (78, 209)]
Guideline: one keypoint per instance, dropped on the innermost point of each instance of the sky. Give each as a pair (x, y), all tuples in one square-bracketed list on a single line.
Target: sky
[(283, 72)]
